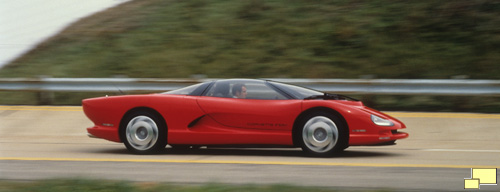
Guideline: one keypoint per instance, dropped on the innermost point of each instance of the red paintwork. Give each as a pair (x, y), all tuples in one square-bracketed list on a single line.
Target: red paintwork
[(234, 121)]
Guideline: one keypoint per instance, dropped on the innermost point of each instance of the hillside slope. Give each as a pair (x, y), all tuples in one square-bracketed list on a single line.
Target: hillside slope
[(280, 38)]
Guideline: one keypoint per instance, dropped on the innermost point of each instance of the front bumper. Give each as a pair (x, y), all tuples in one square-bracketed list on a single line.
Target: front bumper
[(376, 139), (92, 136)]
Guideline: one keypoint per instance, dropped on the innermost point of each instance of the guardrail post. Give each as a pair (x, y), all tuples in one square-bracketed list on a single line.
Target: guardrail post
[(45, 97), (368, 99)]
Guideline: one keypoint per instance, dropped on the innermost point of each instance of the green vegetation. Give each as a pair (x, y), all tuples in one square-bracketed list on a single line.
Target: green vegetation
[(280, 38), (82, 185), (425, 39)]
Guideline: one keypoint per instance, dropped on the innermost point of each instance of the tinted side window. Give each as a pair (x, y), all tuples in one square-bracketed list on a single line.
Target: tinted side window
[(184, 91), (244, 89), (296, 91)]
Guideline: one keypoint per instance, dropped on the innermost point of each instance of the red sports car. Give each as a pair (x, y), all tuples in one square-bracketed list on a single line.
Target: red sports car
[(240, 112)]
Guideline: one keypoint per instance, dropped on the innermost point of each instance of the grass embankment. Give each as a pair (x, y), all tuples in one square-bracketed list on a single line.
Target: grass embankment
[(280, 38), (122, 186)]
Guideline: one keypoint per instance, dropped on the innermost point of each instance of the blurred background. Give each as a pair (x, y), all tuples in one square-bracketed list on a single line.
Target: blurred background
[(342, 39)]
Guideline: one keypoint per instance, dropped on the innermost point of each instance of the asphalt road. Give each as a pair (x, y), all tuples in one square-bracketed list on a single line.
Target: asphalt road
[(51, 142)]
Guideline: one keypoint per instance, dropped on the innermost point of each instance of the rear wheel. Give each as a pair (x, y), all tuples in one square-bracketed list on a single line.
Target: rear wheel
[(322, 134), (144, 133)]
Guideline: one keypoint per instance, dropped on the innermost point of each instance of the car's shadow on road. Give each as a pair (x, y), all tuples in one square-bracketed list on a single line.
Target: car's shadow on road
[(263, 152)]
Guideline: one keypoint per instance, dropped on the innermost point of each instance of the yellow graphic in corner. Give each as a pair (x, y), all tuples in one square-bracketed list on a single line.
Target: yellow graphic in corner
[(471, 183), (481, 177)]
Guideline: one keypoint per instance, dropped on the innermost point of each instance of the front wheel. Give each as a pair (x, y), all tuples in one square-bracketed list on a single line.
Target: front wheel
[(322, 134), (144, 133)]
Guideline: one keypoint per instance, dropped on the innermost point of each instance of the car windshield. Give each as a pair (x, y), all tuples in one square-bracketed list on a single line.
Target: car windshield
[(296, 91), (184, 91)]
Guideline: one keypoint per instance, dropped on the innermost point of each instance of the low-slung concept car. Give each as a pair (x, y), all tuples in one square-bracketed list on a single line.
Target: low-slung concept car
[(240, 112)]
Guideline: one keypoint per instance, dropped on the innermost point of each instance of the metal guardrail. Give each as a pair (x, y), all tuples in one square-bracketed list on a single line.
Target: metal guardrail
[(450, 87)]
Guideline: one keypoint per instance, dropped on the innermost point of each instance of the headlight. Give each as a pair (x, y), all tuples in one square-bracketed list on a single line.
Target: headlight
[(381, 121)]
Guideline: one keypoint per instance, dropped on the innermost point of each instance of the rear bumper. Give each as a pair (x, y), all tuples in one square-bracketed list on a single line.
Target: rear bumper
[(103, 132), (376, 139)]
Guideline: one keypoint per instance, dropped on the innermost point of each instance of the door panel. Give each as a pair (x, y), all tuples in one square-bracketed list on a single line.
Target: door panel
[(252, 113)]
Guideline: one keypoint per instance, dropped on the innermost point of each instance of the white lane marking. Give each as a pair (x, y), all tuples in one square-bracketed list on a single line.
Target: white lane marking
[(444, 115), (462, 150)]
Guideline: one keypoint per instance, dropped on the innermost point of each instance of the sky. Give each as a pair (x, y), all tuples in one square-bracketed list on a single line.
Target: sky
[(26, 23)]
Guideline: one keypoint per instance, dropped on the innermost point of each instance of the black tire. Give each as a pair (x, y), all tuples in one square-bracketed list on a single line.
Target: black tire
[(322, 134), (143, 132)]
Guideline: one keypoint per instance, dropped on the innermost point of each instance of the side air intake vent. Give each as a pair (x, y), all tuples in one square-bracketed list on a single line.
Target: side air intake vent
[(193, 123)]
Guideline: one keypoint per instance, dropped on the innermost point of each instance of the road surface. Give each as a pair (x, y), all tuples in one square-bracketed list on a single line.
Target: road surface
[(44, 142)]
